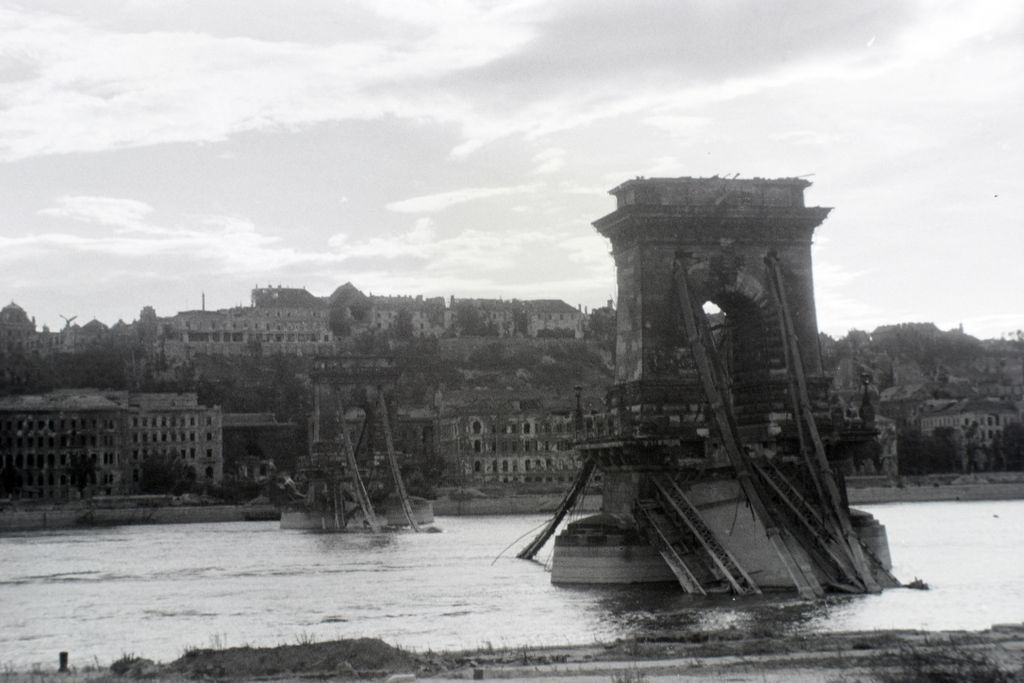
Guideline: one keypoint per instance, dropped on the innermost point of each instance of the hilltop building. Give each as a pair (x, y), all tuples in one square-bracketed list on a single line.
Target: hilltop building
[(553, 317), (483, 317), (292, 321), (17, 331), (282, 320), (409, 316)]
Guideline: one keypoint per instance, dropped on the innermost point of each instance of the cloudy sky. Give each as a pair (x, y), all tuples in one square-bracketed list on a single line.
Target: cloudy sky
[(153, 150)]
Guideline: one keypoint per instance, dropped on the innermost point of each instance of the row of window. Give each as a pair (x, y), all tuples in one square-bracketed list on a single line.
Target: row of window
[(511, 446), (513, 478), (163, 437), (51, 481), (31, 461), (560, 427), (165, 421), (214, 325), (59, 425), (513, 465), (191, 455), (64, 441), (311, 337), (49, 460), (53, 425)]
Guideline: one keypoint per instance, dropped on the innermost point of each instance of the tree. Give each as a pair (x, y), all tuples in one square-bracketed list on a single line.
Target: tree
[(602, 328), (82, 472), (936, 453), (159, 475), (974, 451), (470, 322), (403, 325), (339, 322), (1013, 446), (8, 480)]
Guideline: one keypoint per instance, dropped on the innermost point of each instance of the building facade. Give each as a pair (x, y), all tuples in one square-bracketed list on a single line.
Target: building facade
[(507, 442), (553, 317), (62, 444), (282, 320), (17, 330), (174, 428), (980, 419), (423, 317), (57, 445)]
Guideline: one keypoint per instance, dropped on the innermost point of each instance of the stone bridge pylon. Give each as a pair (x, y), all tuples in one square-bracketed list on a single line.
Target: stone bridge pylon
[(718, 456)]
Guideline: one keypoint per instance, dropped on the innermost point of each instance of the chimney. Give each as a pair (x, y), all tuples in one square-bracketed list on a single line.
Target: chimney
[(204, 301)]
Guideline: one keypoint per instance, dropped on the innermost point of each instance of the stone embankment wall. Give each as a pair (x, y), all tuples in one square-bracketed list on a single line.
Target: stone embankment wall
[(76, 517), (56, 517), (935, 492), (527, 504)]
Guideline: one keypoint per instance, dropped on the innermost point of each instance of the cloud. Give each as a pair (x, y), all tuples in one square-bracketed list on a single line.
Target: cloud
[(678, 125), (72, 85), (528, 69), (233, 242), (549, 160), (236, 246), (437, 202), (589, 250), (481, 137), (124, 213)]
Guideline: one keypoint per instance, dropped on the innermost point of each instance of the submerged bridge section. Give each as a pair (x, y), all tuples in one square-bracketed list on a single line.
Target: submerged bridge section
[(720, 402), (334, 470)]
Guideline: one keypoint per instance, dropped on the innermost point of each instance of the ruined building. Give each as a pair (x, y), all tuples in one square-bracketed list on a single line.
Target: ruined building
[(58, 445)]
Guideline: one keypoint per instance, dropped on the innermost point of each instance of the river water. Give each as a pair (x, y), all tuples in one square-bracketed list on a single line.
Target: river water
[(158, 590)]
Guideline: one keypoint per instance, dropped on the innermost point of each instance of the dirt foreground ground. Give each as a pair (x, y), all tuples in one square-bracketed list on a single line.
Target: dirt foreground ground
[(994, 655)]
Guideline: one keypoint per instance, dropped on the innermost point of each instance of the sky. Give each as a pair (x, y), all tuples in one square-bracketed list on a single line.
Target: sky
[(153, 151)]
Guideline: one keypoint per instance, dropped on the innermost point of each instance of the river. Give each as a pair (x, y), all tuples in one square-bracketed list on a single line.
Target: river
[(159, 590)]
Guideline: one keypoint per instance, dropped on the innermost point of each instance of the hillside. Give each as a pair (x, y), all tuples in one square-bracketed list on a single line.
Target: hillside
[(920, 353)]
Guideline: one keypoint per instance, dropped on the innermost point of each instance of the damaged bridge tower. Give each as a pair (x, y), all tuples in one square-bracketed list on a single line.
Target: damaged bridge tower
[(718, 457)]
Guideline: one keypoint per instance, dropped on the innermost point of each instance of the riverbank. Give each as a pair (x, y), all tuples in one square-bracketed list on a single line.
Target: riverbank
[(860, 491), (995, 654), (935, 488)]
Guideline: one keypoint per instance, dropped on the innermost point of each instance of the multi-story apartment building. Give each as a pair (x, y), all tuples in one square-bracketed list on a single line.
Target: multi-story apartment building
[(54, 444), (553, 317), (425, 317), (281, 320), (507, 442), (984, 418), (58, 444), (176, 428)]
